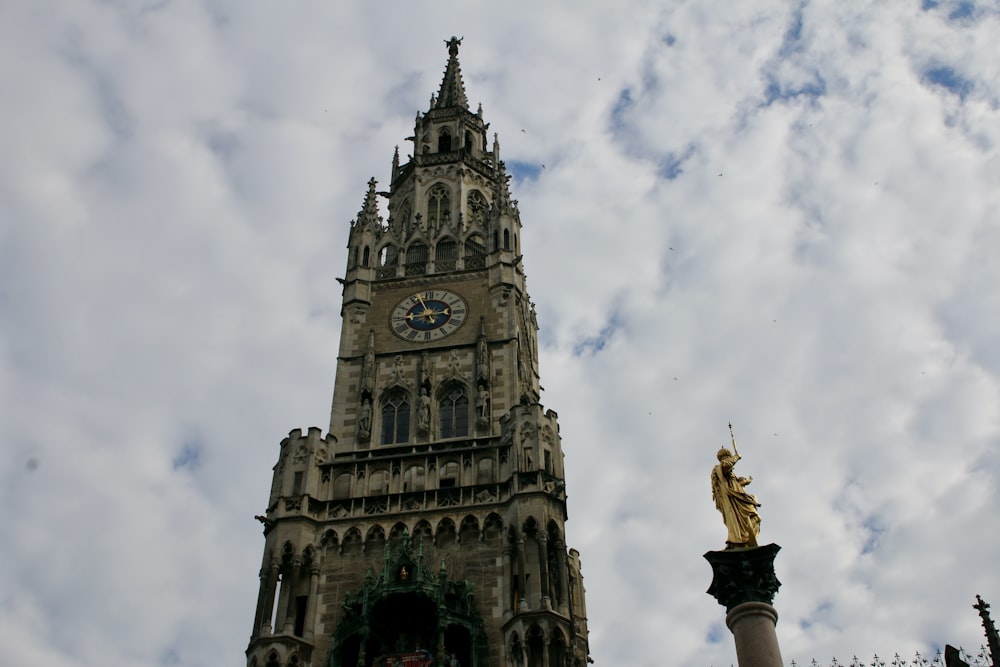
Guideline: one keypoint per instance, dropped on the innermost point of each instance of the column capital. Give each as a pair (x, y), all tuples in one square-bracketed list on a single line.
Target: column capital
[(743, 575)]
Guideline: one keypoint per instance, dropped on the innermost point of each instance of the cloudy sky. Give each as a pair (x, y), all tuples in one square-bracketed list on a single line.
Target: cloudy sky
[(782, 214)]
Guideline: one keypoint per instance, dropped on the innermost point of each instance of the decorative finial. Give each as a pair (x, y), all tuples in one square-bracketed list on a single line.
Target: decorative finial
[(453, 45), (992, 637), (738, 508)]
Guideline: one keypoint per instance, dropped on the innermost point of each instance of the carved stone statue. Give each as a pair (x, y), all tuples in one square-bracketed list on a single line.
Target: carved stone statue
[(738, 508), (483, 405), (396, 372), (368, 372), (365, 420), (424, 412)]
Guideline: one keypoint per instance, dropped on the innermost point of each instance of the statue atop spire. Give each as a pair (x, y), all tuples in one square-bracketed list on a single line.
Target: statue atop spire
[(452, 93)]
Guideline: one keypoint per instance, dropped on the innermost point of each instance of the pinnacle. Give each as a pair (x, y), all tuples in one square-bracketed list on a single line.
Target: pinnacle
[(369, 210), (452, 93)]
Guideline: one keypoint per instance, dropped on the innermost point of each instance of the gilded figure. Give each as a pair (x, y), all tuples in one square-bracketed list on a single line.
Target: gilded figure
[(738, 508)]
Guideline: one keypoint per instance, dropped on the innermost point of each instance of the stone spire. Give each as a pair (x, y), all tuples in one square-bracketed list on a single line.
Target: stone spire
[(395, 166), (368, 216), (991, 630), (452, 93)]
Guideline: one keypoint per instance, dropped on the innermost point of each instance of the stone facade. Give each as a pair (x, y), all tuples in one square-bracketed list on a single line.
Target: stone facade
[(427, 526)]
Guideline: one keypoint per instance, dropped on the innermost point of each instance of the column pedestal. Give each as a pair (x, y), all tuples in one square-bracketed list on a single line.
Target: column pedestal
[(752, 625), (743, 581)]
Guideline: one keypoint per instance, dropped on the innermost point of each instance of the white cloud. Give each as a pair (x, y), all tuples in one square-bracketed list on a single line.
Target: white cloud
[(175, 191)]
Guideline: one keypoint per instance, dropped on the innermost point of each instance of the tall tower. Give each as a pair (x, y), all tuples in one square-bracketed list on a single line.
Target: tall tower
[(427, 526)]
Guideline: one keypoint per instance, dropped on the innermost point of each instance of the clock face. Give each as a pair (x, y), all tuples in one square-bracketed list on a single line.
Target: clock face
[(428, 315)]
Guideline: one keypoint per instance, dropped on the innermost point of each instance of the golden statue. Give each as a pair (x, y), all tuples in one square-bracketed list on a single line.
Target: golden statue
[(739, 508)]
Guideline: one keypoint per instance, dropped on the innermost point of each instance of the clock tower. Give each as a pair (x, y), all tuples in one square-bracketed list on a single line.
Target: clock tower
[(427, 526)]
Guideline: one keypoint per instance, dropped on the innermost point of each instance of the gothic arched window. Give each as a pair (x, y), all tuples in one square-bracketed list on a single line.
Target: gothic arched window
[(484, 472), (506, 239), (416, 254), (396, 418), (444, 141), (448, 480), (389, 256), (378, 483), (414, 479), (475, 246), (445, 255), (454, 413), (438, 206), (342, 486)]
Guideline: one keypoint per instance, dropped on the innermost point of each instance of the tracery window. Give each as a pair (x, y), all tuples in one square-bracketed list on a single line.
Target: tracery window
[(438, 206), (477, 206), (454, 413), (396, 418)]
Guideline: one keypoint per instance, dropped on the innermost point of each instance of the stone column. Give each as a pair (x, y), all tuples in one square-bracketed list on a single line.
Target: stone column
[(522, 573), (563, 576), (743, 581), (258, 618), (293, 584), (543, 569), (508, 583), (267, 604), (309, 632)]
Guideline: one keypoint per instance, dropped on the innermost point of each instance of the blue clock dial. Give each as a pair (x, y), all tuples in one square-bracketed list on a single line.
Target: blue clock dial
[(428, 315)]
